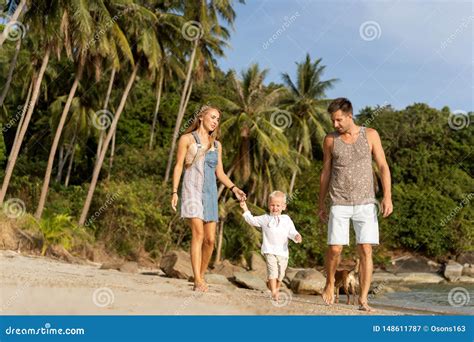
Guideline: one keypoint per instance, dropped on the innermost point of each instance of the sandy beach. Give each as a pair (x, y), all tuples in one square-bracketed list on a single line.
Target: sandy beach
[(33, 285)]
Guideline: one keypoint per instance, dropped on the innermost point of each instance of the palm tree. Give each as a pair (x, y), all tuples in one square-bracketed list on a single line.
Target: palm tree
[(81, 29), (263, 152), (208, 39), (146, 51), (81, 23), (6, 87), (307, 102), (42, 18)]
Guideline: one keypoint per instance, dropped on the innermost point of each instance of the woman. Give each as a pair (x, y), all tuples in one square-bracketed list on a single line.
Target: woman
[(201, 153)]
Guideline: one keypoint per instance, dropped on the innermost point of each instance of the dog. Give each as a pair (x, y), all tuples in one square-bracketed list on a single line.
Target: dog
[(348, 280)]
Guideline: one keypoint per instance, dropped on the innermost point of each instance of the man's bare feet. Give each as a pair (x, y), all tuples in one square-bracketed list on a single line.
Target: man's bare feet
[(364, 306), (275, 296), (328, 294)]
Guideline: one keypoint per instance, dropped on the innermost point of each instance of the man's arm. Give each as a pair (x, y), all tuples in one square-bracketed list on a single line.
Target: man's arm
[(325, 176), (379, 157)]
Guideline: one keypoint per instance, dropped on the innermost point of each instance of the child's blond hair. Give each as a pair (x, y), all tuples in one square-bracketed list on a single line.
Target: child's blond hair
[(277, 193)]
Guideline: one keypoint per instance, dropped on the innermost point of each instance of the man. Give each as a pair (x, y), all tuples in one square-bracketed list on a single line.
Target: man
[(347, 176)]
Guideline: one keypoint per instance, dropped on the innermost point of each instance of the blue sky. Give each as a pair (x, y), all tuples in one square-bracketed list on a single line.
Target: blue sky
[(382, 52)]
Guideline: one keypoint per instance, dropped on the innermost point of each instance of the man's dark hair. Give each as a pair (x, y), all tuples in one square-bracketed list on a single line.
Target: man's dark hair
[(340, 103)]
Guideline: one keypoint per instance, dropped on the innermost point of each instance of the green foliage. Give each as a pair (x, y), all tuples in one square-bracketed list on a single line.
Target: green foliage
[(59, 230)]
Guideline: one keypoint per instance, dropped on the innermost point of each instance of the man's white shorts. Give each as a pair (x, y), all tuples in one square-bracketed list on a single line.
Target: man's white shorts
[(364, 219)]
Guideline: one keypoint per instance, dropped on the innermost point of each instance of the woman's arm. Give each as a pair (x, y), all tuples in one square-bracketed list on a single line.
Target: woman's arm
[(178, 168), (226, 180)]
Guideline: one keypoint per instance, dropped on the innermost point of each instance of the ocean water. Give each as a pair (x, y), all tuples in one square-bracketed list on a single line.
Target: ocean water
[(456, 299)]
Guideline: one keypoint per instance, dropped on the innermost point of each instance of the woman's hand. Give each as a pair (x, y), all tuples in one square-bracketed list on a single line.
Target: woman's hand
[(174, 201), (241, 196)]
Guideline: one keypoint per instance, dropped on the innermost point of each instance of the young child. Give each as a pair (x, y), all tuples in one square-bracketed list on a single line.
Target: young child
[(276, 229)]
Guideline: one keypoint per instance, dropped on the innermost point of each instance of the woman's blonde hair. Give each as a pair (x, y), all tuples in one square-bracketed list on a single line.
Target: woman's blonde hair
[(215, 134)]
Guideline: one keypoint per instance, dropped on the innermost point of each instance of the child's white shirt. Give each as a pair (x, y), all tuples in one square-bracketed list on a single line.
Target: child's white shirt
[(276, 231)]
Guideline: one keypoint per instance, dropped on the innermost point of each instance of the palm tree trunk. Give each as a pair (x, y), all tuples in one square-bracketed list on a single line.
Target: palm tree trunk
[(106, 103), (157, 107), (16, 148), (61, 163), (111, 131), (111, 158), (57, 137), (179, 118), (71, 160), (188, 95), (13, 18), (10, 72), (23, 111), (63, 156), (293, 176)]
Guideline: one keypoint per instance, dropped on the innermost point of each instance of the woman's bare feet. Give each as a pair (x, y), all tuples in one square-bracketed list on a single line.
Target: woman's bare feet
[(328, 294), (275, 296), (200, 287)]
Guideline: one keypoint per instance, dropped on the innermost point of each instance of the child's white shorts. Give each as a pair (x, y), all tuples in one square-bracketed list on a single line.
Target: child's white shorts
[(276, 266), (364, 219)]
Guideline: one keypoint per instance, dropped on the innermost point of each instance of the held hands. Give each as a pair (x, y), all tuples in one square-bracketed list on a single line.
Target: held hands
[(243, 205), (298, 238), (241, 196)]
